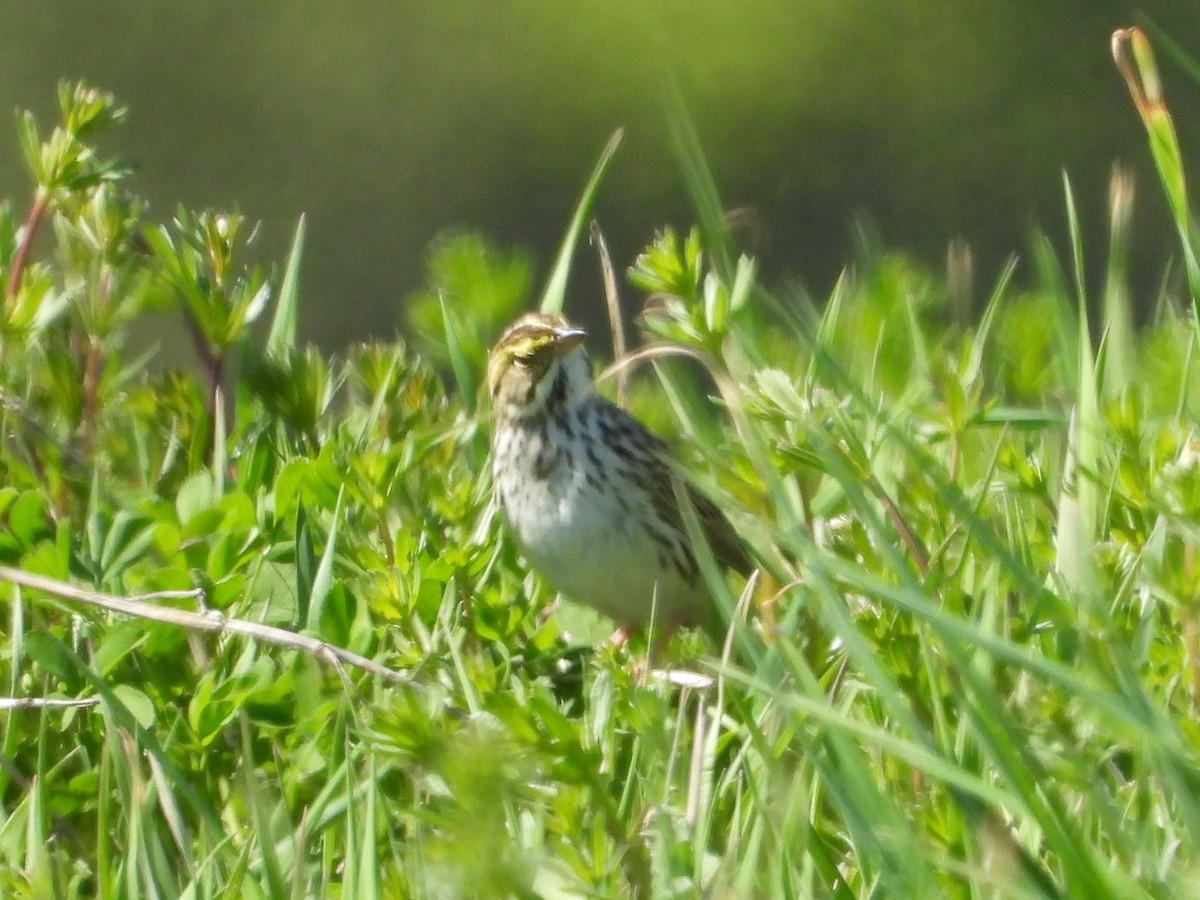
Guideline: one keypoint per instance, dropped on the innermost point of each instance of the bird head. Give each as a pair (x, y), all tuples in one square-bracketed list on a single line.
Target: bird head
[(538, 363)]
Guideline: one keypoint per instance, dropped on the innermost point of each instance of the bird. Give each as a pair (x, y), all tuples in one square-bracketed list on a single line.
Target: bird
[(590, 493)]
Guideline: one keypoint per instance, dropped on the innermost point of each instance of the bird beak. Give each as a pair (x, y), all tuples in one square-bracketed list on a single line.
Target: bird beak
[(567, 338)]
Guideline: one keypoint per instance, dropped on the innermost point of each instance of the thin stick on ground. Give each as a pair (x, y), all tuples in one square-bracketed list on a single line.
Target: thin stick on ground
[(208, 620), (7, 704)]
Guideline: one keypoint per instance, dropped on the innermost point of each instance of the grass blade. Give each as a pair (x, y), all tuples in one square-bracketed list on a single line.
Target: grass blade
[(281, 339), (556, 286)]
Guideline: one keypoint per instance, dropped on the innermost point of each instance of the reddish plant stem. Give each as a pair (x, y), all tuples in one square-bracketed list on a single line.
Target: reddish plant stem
[(91, 393), (214, 371), (212, 364), (1191, 631), (41, 202), (92, 358)]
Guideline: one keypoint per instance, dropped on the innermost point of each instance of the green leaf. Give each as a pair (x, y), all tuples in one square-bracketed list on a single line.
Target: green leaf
[(701, 186), (195, 495), (556, 285), (306, 564), (137, 703), (288, 486), (324, 574), (1079, 498), (282, 337), (28, 519), (52, 654), (118, 642), (254, 791), (31, 145), (464, 379)]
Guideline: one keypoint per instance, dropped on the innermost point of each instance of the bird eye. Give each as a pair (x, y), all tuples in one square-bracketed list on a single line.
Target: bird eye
[(524, 359)]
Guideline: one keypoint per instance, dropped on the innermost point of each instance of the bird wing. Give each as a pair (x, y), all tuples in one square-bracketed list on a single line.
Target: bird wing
[(726, 545)]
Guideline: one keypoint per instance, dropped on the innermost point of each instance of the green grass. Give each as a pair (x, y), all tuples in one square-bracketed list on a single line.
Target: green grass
[(970, 666)]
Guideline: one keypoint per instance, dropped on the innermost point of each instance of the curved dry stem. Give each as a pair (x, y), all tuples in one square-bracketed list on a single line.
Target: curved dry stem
[(728, 389), (8, 704), (207, 620), (612, 300), (720, 375), (907, 535), (37, 212)]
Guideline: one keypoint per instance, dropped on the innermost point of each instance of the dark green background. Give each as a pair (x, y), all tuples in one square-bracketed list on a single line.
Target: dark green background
[(388, 123)]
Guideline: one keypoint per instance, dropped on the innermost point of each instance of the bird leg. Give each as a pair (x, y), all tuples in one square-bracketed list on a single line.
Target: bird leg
[(621, 636)]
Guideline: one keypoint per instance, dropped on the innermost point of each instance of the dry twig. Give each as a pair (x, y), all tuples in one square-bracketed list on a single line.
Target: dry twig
[(206, 620), (8, 704)]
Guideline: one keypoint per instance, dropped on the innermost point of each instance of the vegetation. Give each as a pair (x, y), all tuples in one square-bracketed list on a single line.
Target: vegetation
[(970, 667)]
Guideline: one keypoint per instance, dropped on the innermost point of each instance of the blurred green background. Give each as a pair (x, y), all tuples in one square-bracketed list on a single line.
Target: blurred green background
[(389, 124)]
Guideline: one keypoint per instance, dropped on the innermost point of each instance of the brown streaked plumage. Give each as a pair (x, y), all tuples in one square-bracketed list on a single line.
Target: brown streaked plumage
[(588, 490)]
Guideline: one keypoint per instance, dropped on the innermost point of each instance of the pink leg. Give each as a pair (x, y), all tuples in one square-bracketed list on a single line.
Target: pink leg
[(621, 636)]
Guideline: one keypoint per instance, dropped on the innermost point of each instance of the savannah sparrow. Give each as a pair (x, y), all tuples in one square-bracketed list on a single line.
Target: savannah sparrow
[(588, 491)]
